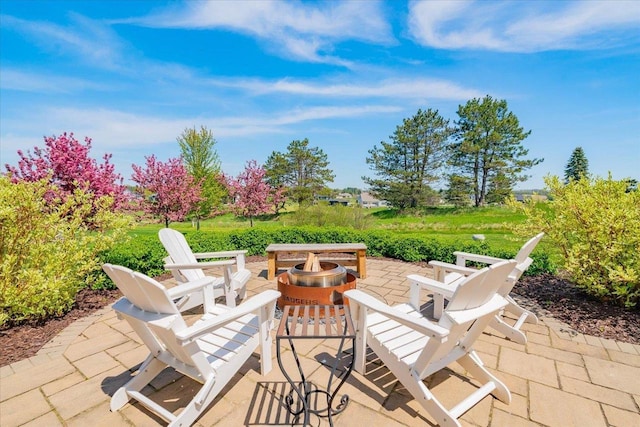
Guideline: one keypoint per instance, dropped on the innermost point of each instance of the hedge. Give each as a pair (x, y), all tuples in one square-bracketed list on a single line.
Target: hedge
[(146, 253)]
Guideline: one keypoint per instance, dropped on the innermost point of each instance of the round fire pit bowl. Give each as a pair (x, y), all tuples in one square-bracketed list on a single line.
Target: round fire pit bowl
[(313, 295), (331, 274)]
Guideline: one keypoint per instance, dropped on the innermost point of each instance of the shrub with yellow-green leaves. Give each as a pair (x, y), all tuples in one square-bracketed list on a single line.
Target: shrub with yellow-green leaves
[(595, 223), (47, 250)]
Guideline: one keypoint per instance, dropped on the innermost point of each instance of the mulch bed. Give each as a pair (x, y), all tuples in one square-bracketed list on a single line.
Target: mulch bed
[(548, 295)]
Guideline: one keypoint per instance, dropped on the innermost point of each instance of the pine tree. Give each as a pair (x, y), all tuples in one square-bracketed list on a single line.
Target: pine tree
[(577, 166), (488, 145), (411, 161)]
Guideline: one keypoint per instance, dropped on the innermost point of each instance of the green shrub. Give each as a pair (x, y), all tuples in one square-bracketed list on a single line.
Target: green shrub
[(145, 254), (47, 252), (140, 253), (595, 223)]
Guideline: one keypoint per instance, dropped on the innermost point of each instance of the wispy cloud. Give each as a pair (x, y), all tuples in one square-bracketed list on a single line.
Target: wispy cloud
[(25, 81), (83, 38), (111, 129), (524, 26), (402, 88), (296, 30)]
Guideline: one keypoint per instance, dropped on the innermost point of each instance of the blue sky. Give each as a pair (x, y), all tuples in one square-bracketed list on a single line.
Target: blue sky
[(133, 75)]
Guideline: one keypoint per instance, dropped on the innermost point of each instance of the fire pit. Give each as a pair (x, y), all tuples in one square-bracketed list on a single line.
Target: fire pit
[(323, 287)]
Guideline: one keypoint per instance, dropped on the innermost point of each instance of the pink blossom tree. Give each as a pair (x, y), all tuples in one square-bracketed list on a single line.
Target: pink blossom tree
[(250, 194), (167, 189), (66, 164)]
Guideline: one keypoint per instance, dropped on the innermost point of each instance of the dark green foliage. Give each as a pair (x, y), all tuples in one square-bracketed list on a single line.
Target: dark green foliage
[(140, 253), (577, 166), (303, 170), (410, 163), (145, 254), (489, 145)]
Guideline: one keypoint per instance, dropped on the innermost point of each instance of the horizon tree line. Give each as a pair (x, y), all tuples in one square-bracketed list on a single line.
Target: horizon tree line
[(480, 157)]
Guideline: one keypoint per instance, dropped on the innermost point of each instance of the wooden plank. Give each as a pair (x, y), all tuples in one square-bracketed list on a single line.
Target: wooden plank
[(315, 247), (292, 262)]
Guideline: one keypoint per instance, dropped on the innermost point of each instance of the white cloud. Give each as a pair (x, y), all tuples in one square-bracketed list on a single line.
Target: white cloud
[(111, 129), (400, 88), (24, 81), (297, 30), (83, 38), (524, 26)]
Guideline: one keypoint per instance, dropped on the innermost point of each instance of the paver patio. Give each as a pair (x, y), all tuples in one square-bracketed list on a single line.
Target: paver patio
[(559, 378)]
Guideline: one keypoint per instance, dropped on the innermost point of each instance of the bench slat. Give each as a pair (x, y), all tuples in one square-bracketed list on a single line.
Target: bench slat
[(358, 249), (315, 247)]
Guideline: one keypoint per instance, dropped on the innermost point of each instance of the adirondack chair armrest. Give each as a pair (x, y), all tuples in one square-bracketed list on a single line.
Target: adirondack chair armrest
[(496, 303), (194, 286), (249, 306), (462, 257), (447, 267), (220, 254), (419, 324), (199, 265), (432, 285)]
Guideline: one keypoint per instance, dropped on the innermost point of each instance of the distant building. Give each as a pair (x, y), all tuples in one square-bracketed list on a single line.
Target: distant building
[(366, 200)]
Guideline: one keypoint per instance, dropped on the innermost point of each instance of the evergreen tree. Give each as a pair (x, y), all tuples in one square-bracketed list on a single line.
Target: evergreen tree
[(459, 190), (577, 166), (489, 145), (408, 164), (303, 170)]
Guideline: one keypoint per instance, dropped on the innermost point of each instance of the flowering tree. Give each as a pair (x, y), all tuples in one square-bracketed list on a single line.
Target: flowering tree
[(167, 189), (249, 191), (66, 164)]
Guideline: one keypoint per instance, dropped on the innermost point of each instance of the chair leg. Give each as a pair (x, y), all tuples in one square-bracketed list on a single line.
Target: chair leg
[(438, 305), (428, 401), (197, 406), (471, 363), (507, 330), (149, 369), (523, 315)]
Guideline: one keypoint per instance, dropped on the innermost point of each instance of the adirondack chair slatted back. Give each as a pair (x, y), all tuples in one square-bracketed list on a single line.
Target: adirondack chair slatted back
[(477, 290), (527, 248), (152, 304), (514, 276), (180, 252)]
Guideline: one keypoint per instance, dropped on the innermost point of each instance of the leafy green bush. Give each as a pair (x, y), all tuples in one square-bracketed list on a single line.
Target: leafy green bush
[(145, 254), (140, 253), (47, 252), (595, 223)]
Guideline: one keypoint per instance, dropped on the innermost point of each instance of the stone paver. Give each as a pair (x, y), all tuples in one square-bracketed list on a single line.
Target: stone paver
[(553, 407), (614, 375), (560, 378), (528, 366)]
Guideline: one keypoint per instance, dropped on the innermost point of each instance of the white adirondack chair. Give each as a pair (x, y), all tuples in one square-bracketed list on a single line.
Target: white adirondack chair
[(184, 266), (210, 351), (413, 348), (452, 275)]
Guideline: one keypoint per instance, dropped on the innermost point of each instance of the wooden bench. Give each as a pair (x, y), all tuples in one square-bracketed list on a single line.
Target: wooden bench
[(275, 249)]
